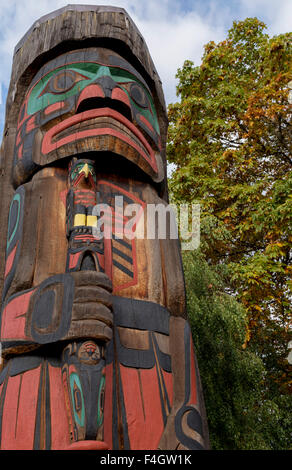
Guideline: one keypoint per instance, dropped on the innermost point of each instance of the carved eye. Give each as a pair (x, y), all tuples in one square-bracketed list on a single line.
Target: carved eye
[(139, 96), (62, 82)]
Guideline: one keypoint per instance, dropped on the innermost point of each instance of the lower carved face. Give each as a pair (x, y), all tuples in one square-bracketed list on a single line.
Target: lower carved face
[(89, 353), (89, 100)]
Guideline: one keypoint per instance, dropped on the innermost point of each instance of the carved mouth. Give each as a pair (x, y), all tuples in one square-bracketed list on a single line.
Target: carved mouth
[(96, 103), (100, 124)]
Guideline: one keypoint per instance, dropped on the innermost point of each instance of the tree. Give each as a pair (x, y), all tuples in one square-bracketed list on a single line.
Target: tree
[(229, 138), (240, 417)]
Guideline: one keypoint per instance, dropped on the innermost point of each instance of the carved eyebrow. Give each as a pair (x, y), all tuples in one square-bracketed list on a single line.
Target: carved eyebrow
[(77, 66), (120, 63), (44, 71), (87, 57)]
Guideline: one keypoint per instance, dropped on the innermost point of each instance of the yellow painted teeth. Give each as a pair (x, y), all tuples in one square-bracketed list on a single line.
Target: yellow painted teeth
[(85, 220)]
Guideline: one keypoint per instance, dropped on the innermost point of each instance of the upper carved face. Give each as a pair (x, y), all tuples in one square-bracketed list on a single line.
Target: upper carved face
[(89, 100)]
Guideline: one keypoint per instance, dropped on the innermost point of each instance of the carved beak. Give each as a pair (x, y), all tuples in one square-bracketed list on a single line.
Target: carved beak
[(85, 170)]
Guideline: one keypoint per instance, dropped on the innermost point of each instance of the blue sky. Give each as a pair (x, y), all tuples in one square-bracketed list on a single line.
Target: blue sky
[(174, 30)]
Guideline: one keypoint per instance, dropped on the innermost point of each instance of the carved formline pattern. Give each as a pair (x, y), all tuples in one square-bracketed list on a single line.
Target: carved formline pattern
[(96, 344)]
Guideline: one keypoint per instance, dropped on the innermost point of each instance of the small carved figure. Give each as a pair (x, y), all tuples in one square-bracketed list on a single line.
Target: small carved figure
[(97, 349)]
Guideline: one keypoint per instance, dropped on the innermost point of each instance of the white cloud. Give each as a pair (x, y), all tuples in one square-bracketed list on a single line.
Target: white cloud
[(173, 40), (171, 34), (276, 14)]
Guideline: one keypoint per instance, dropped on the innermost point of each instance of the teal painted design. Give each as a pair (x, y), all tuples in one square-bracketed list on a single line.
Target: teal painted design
[(69, 80), (100, 399), (79, 417), (76, 170), (11, 237)]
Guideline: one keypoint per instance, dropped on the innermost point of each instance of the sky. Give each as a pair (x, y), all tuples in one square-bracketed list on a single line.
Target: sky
[(174, 30)]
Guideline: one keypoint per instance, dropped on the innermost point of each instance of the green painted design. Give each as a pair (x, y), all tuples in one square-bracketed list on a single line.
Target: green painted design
[(69, 80), (103, 71), (74, 379), (99, 410), (76, 170), (9, 241)]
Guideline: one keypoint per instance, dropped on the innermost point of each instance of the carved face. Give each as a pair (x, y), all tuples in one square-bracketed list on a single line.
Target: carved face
[(89, 353), (90, 100), (80, 170)]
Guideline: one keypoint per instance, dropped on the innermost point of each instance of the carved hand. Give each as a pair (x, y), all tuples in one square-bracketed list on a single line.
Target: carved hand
[(92, 306), (63, 307)]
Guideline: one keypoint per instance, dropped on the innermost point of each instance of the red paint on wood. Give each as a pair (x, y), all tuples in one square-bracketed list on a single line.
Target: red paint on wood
[(18, 138), (19, 413), (66, 394), (59, 419), (84, 192), (90, 181), (135, 199), (118, 189), (72, 369), (30, 125), (13, 318), (85, 238), (9, 261), (19, 153), (85, 202), (49, 146), (134, 406), (88, 445), (73, 260), (154, 419), (91, 91), (9, 418), (120, 95), (54, 107), (168, 380), (146, 122), (101, 260), (143, 407), (1, 398)]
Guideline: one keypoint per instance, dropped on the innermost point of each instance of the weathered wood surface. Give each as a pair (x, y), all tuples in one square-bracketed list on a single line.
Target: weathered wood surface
[(98, 351)]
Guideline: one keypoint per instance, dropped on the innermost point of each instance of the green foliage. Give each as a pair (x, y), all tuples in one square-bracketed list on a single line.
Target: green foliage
[(230, 139)]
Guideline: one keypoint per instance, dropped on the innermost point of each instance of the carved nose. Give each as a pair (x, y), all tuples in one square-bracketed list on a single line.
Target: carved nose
[(85, 169), (104, 87), (104, 93), (107, 84), (101, 88)]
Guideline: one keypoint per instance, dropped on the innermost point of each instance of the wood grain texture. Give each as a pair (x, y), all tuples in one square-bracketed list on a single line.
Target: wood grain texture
[(97, 348)]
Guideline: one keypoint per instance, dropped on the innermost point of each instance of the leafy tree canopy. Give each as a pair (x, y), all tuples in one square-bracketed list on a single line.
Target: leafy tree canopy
[(230, 140), (241, 414)]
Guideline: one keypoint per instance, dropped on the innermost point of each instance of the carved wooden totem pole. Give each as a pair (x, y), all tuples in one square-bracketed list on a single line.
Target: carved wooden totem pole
[(97, 352)]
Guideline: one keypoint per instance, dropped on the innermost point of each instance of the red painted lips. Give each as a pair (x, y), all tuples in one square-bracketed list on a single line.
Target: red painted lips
[(51, 142)]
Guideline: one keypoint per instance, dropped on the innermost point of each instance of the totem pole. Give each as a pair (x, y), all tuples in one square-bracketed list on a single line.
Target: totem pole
[(96, 348)]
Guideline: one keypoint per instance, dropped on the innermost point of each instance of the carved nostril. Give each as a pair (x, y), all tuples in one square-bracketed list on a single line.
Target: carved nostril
[(120, 95), (91, 91)]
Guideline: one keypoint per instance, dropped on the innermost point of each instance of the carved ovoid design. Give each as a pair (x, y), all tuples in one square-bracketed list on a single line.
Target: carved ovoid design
[(97, 351)]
